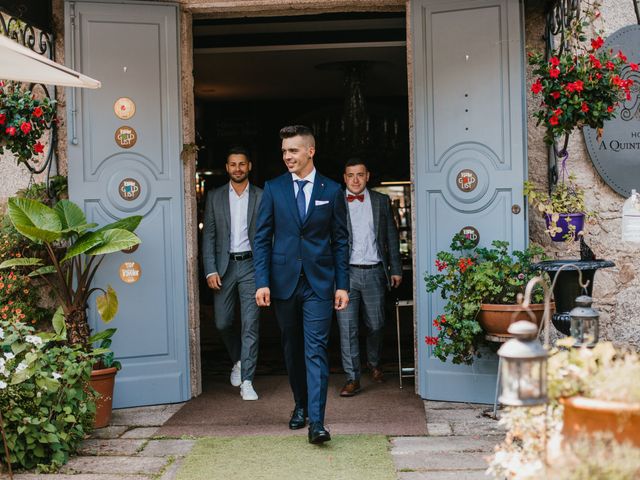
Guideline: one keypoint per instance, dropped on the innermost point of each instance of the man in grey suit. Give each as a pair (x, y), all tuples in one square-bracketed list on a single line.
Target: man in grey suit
[(227, 249), (374, 267)]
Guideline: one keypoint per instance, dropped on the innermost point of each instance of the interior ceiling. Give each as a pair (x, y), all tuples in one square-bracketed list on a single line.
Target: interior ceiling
[(298, 57)]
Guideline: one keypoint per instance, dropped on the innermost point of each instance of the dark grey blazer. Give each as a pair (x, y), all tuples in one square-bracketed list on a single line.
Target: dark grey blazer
[(216, 233), (387, 238)]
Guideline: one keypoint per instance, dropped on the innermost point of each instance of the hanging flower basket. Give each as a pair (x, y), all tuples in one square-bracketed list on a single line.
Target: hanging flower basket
[(564, 227)]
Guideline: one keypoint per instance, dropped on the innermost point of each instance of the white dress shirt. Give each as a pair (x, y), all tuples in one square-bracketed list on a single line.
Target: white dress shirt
[(308, 188), (364, 248), (239, 231)]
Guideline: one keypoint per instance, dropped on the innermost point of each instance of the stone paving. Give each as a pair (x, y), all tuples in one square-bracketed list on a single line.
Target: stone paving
[(459, 438)]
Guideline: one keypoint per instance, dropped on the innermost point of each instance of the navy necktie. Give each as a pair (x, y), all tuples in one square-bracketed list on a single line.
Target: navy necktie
[(300, 198)]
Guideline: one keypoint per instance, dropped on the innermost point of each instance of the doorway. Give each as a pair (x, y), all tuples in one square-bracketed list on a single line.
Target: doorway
[(345, 76)]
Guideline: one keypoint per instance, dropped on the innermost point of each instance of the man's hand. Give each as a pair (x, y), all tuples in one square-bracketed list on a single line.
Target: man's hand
[(214, 281), (263, 297), (396, 280), (341, 300)]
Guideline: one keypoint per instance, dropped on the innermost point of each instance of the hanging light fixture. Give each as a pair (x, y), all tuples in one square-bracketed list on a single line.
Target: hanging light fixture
[(585, 322)]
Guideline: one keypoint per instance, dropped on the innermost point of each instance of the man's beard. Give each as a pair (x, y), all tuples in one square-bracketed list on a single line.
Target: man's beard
[(240, 180)]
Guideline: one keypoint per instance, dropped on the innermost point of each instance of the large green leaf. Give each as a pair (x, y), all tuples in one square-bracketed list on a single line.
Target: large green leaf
[(129, 223), (107, 304), (103, 335), (84, 243), (70, 214), (58, 323), (21, 262), (114, 240), (46, 270), (34, 220)]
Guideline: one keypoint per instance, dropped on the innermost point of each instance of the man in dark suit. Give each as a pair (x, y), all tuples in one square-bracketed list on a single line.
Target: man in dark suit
[(301, 260), (374, 267), (227, 250)]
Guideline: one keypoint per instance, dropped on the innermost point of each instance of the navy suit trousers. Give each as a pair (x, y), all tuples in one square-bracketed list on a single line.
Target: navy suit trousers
[(305, 322)]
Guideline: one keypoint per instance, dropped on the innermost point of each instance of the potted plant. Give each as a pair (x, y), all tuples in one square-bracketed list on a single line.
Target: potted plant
[(74, 254), (474, 281)]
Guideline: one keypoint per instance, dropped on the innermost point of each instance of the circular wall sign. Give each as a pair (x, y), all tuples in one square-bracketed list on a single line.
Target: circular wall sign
[(467, 180), (130, 249), (471, 233), (130, 272), (129, 189), (126, 137), (124, 108)]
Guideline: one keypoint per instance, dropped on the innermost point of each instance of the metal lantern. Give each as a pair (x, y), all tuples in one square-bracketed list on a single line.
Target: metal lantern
[(584, 322), (523, 367)]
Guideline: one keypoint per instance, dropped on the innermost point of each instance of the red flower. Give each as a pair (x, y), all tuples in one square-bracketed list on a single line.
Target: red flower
[(634, 66), (3, 118), (441, 265), (597, 43), (578, 84), (11, 131), (558, 111), (464, 263), (610, 65), (584, 107), (554, 61), (610, 108), (622, 56), (554, 72), (25, 127), (554, 120), (555, 95), (536, 87), (594, 61), (598, 75), (38, 148), (37, 112), (431, 340)]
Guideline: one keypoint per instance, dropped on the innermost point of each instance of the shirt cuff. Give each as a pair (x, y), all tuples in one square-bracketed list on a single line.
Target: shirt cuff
[(209, 274)]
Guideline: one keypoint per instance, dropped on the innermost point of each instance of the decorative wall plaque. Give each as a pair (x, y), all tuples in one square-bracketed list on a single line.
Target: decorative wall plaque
[(126, 137), (130, 272), (129, 189), (130, 249), (471, 233), (467, 180), (124, 108), (616, 154)]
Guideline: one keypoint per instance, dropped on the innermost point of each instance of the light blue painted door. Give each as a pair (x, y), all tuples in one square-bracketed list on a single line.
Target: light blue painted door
[(133, 50), (468, 117)]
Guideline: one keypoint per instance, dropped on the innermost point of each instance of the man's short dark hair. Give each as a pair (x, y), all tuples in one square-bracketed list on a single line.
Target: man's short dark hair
[(238, 150), (295, 130), (352, 162)]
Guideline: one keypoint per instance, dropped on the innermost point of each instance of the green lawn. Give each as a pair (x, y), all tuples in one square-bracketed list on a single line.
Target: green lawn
[(345, 457)]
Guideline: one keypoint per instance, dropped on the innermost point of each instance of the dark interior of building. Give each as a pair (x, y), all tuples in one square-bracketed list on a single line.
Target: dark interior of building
[(343, 75)]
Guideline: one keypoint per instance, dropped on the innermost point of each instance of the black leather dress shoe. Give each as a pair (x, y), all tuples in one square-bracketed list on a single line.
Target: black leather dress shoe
[(298, 418), (318, 434)]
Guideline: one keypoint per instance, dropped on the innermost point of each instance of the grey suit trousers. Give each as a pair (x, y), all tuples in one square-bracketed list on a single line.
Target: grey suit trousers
[(239, 282), (366, 293)]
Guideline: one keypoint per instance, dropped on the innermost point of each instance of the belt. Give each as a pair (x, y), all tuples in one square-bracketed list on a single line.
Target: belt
[(241, 255), (365, 267)]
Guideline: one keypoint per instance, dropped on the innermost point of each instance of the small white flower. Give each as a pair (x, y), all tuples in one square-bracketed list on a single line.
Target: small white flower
[(56, 375), (21, 366), (9, 355), (3, 385), (1, 333), (33, 339), (4, 371)]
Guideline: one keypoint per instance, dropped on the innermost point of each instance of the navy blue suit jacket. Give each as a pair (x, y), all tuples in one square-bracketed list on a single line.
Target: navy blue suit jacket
[(319, 244)]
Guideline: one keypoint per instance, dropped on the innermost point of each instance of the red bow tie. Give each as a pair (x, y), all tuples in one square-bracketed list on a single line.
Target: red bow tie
[(351, 198)]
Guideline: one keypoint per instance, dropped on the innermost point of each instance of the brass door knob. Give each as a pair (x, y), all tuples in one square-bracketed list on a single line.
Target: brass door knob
[(515, 208)]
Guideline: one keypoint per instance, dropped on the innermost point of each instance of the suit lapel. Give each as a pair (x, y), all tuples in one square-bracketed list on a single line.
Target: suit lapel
[(349, 227), (290, 197), (252, 204), (375, 207), (226, 208), (318, 189)]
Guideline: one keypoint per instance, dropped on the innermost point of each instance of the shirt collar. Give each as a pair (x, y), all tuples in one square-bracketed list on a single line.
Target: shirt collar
[(310, 178), (231, 190), (365, 192)]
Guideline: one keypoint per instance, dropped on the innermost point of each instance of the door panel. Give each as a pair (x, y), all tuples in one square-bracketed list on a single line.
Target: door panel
[(469, 123), (133, 49)]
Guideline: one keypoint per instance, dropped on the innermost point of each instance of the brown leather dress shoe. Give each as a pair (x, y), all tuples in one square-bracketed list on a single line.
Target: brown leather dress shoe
[(350, 388), (376, 374)]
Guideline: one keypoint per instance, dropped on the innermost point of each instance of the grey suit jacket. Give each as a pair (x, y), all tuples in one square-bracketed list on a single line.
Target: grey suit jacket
[(216, 232), (387, 239)]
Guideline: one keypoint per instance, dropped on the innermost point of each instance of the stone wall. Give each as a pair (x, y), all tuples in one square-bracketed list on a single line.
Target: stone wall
[(616, 290)]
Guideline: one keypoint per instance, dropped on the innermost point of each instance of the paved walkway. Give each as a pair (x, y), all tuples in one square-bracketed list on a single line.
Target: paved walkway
[(458, 439)]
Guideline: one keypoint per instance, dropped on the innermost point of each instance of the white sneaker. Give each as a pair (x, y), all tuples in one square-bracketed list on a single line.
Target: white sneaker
[(235, 378), (247, 392)]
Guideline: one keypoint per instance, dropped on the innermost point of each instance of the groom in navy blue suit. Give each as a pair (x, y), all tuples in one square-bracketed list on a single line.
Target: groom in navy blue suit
[(301, 259)]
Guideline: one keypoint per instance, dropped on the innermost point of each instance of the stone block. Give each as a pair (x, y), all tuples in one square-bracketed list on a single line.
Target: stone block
[(109, 432), (150, 416), (439, 429), (140, 432), (176, 448), (441, 461), (115, 465), (95, 446)]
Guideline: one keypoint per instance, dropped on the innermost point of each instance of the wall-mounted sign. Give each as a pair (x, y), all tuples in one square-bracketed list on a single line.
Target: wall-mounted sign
[(129, 189), (126, 137), (616, 154), (130, 249), (130, 272), (471, 233), (124, 108), (467, 180)]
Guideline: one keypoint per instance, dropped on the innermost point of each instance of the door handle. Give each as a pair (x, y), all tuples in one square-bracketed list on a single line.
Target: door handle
[(515, 209)]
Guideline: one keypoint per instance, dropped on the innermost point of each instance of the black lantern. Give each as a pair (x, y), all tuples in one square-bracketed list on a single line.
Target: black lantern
[(584, 322), (523, 367)]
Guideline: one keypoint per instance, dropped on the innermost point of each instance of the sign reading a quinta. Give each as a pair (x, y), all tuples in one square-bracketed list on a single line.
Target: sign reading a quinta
[(616, 154)]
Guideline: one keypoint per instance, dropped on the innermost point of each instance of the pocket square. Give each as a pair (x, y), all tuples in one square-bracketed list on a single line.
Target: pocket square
[(321, 202)]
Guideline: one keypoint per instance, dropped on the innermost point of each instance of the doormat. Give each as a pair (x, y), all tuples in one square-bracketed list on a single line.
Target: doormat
[(345, 457)]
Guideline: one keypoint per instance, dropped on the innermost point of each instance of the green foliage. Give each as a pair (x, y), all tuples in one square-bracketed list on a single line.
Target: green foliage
[(466, 277), (43, 396), (74, 254), (49, 193)]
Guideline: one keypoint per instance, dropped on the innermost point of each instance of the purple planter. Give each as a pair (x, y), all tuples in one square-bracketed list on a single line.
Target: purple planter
[(563, 223)]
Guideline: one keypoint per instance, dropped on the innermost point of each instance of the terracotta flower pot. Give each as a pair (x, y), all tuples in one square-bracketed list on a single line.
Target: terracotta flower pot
[(587, 416), (102, 381), (496, 318)]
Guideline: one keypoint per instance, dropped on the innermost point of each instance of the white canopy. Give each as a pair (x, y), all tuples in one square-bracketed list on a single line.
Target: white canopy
[(21, 64)]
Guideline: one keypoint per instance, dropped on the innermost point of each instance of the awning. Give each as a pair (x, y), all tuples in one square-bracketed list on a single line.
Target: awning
[(23, 65)]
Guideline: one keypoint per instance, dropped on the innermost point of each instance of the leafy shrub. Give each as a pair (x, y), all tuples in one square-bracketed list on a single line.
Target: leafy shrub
[(44, 397)]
